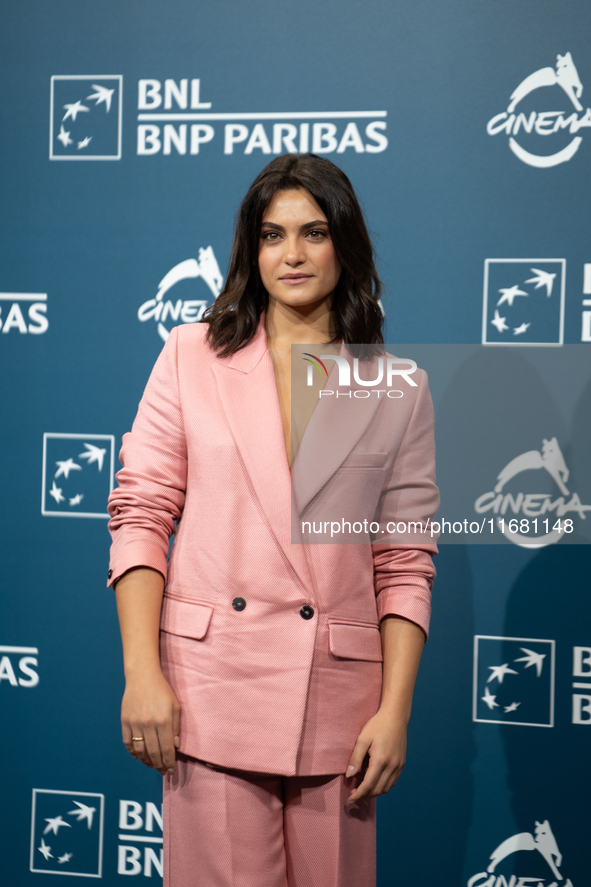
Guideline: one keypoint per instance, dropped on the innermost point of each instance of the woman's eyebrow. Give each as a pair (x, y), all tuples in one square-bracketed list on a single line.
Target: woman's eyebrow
[(313, 224)]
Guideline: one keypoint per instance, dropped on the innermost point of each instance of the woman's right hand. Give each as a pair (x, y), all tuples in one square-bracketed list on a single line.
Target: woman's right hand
[(151, 710)]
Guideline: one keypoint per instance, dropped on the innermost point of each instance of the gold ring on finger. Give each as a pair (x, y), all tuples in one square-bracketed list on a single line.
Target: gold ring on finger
[(137, 738)]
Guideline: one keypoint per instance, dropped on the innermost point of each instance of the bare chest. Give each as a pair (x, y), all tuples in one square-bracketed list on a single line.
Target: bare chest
[(282, 369), (297, 400)]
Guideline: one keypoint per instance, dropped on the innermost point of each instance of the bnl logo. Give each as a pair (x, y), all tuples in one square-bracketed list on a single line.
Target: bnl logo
[(523, 302), (142, 827), (77, 475), (67, 833), (513, 681), (85, 117)]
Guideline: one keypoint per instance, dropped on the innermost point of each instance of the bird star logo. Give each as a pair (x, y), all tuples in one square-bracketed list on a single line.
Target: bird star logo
[(513, 681), (53, 825), (509, 294), (523, 302), (540, 129), (498, 672), (93, 454), (85, 117), (67, 833), (78, 483), (84, 813)]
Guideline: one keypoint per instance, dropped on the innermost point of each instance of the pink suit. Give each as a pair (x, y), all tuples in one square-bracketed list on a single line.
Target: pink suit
[(272, 648)]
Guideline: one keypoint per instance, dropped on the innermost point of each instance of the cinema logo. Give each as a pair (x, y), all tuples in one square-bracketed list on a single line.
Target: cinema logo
[(538, 511), (173, 120), (533, 852), (544, 123), (171, 311), (387, 369)]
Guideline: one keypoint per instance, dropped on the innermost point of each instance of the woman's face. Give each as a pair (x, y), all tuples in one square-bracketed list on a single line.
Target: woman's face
[(297, 260)]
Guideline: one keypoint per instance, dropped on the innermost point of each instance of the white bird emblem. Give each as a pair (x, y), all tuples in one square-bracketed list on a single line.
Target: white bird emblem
[(65, 467), (73, 110), (542, 278), (56, 493), (102, 94), (532, 658), (93, 454), (509, 295), (499, 322), (518, 330), (45, 850), (489, 699), (499, 672), (84, 812), (53, 825), (513, 707), (64, 137)]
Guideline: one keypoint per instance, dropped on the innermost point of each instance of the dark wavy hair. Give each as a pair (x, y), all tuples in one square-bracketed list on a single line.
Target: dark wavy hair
[(234, 316)]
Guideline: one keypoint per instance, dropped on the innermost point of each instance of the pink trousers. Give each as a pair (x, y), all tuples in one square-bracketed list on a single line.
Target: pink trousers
[(230, 828)]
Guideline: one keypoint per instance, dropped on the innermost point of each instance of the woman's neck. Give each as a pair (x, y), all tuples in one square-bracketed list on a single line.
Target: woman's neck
[(309, 325)]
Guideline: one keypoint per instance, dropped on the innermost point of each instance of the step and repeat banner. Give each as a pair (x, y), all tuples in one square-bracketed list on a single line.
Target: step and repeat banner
[(130, 132)]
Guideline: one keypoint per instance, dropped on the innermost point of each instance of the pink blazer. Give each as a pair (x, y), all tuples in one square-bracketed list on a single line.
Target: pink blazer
[(272, 648)]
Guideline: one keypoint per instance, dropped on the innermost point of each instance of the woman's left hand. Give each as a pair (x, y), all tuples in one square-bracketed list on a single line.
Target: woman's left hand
[(383, 738)]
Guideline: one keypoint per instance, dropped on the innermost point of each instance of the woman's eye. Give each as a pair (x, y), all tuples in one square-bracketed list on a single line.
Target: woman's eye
[(269, 235), (317, 234)]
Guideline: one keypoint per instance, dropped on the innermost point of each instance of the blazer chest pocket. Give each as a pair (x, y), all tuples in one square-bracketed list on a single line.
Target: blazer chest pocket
[(188, 619), (350, 640), (365, 460)]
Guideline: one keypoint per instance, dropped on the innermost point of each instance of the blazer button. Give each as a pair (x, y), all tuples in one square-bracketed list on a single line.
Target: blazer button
[(306, 612), (239, 603), (109, 574)]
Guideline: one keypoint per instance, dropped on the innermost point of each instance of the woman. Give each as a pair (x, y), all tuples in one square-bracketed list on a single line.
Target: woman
[(254, 679)]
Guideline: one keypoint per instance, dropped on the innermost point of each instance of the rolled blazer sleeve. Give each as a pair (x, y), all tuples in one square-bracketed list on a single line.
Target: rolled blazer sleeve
[(404, 573), (152, 481)]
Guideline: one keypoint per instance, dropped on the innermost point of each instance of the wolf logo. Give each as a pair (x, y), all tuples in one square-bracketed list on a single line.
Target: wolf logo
[(550, 458), (544, 842), (565, 76)]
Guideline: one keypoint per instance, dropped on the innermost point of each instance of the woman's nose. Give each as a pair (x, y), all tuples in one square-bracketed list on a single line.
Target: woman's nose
[(294, 252)]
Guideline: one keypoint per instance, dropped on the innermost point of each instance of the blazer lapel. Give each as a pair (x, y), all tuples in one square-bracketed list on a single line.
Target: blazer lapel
[(334, 430), (246, 383)]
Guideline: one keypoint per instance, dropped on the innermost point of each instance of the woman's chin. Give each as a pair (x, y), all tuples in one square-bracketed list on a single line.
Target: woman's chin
[(298, 299)]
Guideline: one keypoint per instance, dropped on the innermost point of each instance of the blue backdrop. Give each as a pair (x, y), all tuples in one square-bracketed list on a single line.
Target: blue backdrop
[(129, 134)]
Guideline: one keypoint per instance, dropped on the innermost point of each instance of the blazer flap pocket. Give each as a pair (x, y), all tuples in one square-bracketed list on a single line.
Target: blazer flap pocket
[(365, 460), (185, 618), (349, 640)]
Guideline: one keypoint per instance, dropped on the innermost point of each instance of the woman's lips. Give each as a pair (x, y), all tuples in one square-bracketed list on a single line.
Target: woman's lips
[(294, 281)]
